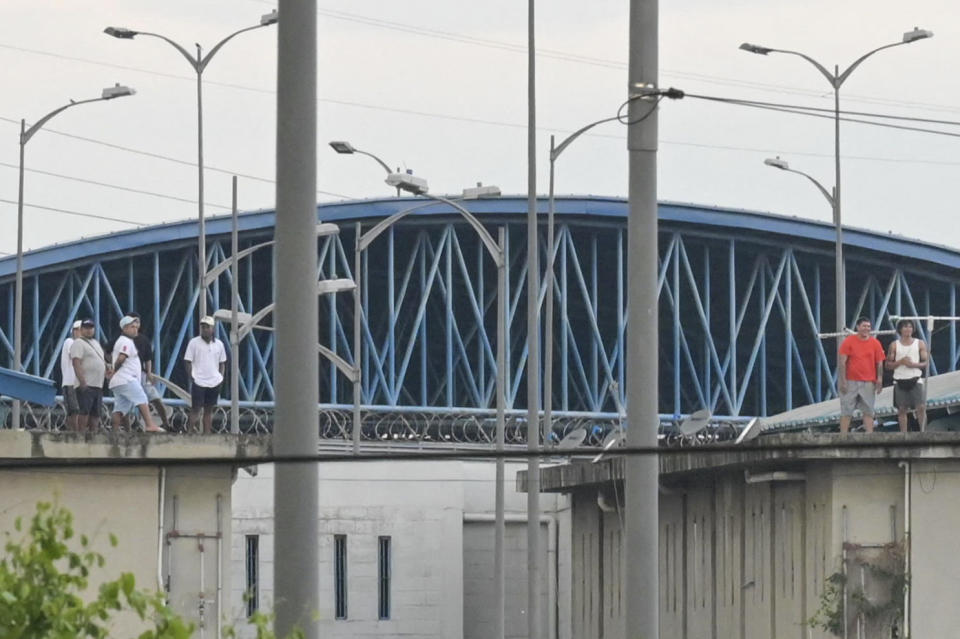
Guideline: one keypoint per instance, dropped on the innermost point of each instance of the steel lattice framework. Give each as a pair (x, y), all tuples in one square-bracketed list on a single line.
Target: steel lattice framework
[(742, 298)]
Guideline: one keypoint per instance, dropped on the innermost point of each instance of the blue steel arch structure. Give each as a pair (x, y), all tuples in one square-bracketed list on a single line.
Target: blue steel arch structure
[(743, 296)]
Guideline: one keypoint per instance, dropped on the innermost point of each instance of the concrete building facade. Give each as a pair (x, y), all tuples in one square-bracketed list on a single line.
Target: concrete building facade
[(434, 521), (171, 520), (795, 536)]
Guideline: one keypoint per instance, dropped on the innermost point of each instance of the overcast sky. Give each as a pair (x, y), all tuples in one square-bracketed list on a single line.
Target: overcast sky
[(440, 88)]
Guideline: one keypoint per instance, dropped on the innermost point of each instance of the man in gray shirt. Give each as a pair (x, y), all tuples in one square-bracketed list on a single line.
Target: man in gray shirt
[(90, 367)]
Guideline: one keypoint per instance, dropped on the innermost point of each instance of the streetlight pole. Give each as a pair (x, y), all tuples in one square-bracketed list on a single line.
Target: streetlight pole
[(555, 151), (199, 64), (836, 80), (108, 93), (497, 251)]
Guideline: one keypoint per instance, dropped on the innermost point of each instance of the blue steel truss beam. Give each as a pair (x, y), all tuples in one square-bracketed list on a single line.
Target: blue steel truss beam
[(739, 312)]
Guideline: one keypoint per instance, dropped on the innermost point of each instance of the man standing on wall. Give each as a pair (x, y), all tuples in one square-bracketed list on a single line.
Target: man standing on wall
[(907, 356), (145, 351), (90, 367), (204, 360), (69, 380), (125, 383), (859, 375)]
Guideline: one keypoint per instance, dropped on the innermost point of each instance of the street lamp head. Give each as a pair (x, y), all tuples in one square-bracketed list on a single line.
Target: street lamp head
[(116, 91), (777, 163), (407, 182), (120, 32), (269, 18), (755, 48), (480, 191), (916, 34), (342, 147)]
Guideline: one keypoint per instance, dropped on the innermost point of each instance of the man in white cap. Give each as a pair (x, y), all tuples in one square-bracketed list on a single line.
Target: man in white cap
[(204, 359), (125, 382), (69, 377)]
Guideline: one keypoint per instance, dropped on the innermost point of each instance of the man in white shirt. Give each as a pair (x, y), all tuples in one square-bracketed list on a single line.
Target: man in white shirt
[(125, 382), (69, 377), (204, 360), (907, 358)]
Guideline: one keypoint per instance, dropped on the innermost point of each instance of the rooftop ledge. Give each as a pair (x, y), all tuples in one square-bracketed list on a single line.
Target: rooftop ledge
[(31, 446), (764, 453)]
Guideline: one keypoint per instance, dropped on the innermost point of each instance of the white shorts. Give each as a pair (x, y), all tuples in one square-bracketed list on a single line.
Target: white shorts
[(128, 396)]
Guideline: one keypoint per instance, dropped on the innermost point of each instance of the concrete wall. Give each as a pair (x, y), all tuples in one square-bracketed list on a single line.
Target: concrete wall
[(935, 520), (126, 502), (439, 518), (752, 559)]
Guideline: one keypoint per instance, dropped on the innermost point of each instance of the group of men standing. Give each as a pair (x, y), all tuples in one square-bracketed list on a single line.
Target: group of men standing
[(860, 375), (127, 367)]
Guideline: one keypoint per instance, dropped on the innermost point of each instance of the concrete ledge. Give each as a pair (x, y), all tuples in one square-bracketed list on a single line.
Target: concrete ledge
[(766, 451), (24, 445)]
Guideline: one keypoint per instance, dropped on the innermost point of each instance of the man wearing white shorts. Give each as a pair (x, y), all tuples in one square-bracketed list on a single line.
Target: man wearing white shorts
[(125, 383)]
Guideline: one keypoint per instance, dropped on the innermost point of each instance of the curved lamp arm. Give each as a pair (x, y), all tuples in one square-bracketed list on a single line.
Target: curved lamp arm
[(367, 238), (379, 161), (843, 76), (831, 78), (555, 152), (817, 184), (491, 245), (194, 62), (488, 242), (29, 133), (202, 64)]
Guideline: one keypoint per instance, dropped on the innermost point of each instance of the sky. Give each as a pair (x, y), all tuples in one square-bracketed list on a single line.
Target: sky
[(440, 88)]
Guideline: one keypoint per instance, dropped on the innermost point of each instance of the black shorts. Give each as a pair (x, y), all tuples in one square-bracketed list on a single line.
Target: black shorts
[(70, 400), (202, 396), (89, 401)]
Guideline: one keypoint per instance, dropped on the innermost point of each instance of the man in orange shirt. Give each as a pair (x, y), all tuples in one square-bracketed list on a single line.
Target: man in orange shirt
[(859, 374)]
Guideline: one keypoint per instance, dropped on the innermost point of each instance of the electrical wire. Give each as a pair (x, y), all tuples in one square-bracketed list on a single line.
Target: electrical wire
[(801, 110), (158, 156), (77, 213), (113, 186)]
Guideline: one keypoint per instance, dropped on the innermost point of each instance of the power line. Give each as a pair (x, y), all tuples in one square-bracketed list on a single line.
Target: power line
[(602, 62), (77, 213), (158, 156), (113, 186), (801, 110)]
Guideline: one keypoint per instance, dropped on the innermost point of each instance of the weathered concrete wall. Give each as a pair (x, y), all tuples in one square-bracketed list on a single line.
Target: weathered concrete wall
[(125, 500), (935, 522)]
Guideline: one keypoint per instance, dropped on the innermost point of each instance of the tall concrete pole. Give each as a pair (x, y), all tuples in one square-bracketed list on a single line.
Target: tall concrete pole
[(499, 572), (534, 630), (641, 545), (841, 277), (234, 321), (296, 554)]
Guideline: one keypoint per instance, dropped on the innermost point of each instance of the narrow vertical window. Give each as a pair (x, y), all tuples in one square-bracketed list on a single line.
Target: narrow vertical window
[(383, 606), (253, 573), (340, 576)]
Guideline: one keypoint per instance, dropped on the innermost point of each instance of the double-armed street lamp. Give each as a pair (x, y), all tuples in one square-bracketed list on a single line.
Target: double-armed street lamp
[(109, 93), (497, 251), (199, 63), (836, 80)]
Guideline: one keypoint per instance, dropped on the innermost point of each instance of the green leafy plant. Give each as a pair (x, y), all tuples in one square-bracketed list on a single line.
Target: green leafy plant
[(886, 570), (45, 572)]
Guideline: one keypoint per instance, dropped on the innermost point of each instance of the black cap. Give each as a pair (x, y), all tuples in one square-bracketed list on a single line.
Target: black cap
[(87, 322)]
